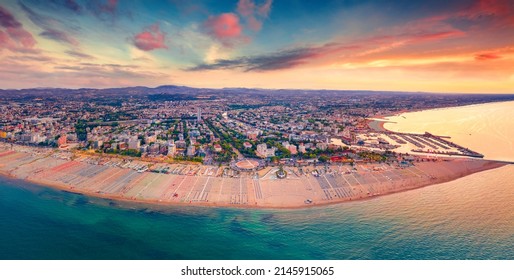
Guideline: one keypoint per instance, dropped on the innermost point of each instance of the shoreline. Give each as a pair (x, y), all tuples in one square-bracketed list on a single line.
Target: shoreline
[(464, 124), (439, 172), (385, 117), (381, 120)]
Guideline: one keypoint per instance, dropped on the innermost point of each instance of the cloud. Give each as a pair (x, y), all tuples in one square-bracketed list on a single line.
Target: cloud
[(265, 8), (29, 58), (69, 5), (51, 26), (501, 12), (486, 56), (150, 39), (60, 36), (382, 44), (7, 19), (75, 75), (278, 60), (110, 6), (78, 54), (105, 10), (12, 34), (22, 36), (72, 5), (225, 28), (481, 14), (105, 73), (253, 13), (188, 7), (331, 52)]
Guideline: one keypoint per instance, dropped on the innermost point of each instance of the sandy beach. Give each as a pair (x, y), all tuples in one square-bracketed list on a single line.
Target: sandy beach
[(208, 186)]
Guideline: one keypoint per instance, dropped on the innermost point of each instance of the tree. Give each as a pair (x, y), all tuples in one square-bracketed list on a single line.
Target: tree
[(323, 158)]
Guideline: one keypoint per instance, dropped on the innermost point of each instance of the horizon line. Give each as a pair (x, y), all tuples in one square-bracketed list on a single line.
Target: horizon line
[(258, 88)]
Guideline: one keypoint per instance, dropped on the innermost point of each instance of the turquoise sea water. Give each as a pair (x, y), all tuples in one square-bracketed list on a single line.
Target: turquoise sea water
[(470, 218)]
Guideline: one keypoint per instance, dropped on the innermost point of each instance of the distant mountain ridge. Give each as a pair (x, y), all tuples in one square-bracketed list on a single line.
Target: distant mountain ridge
[(174, 89)]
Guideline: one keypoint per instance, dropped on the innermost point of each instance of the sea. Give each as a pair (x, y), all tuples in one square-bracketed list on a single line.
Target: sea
[(468, 218)]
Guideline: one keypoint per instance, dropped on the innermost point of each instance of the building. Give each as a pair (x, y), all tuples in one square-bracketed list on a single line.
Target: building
[(181, 144), (247, 145), (262, 148), (172, 149), (293, 149), (263, 151), (98, 144), (322, 146), (143, 149), (301, 148), (217, 148), (62, 141), (199, 115), (154, 148), (190, 151), (134, 143), (150, 139), (253, 134)]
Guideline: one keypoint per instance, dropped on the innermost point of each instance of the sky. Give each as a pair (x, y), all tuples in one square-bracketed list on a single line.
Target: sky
[(462, 46)]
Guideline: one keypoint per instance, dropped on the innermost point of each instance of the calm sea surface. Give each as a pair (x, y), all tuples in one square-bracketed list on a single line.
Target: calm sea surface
[(485, 128), (469, 218)]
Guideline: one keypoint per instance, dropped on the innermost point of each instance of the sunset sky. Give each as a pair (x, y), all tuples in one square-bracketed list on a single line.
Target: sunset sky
[(438, 46)]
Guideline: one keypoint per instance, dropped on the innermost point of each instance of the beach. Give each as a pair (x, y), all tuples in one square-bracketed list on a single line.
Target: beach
[(204, 185)]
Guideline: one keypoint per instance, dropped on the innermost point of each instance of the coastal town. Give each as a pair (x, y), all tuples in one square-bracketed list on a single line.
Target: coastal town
[(226, 147)]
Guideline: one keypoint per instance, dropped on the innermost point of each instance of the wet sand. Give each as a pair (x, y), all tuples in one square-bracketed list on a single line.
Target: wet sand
[(210, 186)]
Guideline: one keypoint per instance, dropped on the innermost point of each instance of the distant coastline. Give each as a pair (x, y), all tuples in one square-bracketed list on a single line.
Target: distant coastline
[(383, 119)]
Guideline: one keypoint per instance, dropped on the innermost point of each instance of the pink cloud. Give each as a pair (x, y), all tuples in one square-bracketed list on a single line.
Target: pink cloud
[(4, 39), (501, 10), (429, 36), (150, 39), (13, 36), (494, 13), (225, 28), (265, 8), (22, 36), (486, 56), (245, 7), (253, 13)]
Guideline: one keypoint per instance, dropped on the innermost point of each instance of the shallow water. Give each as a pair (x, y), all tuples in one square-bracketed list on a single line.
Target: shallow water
[(470, 218)]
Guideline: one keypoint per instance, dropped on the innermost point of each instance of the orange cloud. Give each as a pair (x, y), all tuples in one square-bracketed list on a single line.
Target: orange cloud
[(486, 56)]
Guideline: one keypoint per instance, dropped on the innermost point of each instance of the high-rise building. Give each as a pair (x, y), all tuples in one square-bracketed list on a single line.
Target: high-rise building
[(199, 115), (62, 140), (134, 143), (190, 151), (172, 149)]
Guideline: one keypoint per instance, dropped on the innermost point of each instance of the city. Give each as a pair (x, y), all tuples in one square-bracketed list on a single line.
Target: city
[(335, 138)]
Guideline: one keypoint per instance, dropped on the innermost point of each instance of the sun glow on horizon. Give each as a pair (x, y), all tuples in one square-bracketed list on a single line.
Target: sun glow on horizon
[(465, 46)]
